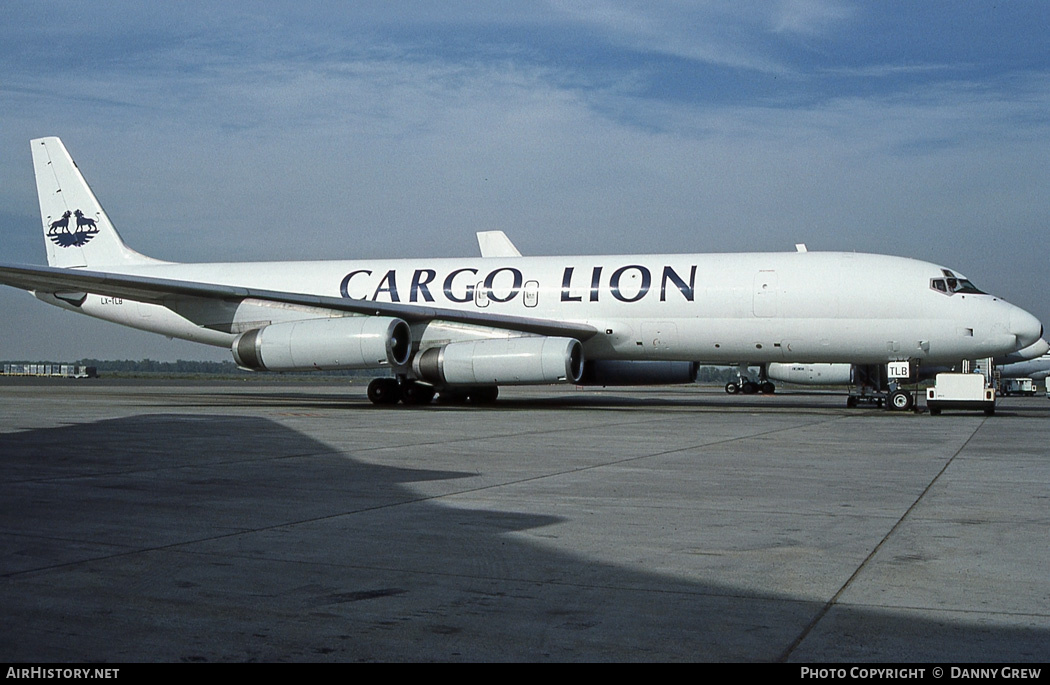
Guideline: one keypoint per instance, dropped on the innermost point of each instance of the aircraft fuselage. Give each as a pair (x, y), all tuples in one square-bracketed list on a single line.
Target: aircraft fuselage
[(759, 307)]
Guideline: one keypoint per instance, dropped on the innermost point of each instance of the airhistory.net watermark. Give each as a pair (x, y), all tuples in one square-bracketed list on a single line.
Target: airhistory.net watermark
[(62, 673)]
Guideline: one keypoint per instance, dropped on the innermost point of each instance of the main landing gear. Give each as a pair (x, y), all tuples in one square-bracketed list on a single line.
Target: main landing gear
[(749, 387), (411, 392), (744, 384), (394, 390)]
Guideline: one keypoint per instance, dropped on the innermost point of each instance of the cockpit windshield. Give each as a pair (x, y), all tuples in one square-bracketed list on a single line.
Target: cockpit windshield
[(951, 284)]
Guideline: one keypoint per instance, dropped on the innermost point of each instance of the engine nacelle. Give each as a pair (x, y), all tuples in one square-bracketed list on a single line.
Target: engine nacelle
[(350, 342), (611, 372), (811, 374), (502, 361)]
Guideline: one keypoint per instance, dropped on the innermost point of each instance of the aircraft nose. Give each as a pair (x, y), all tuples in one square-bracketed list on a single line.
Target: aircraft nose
[(1025, 327)]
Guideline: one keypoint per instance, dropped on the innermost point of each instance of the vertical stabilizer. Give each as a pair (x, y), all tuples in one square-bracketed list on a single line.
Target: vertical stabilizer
[(77, 231)]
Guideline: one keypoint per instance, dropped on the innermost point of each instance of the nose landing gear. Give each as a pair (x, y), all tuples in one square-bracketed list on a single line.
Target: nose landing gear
[(901, 400)]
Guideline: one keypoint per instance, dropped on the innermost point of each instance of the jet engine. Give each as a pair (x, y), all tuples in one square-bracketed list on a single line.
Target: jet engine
[(502, 361), (612, 372), (351, 342), (811, 374)]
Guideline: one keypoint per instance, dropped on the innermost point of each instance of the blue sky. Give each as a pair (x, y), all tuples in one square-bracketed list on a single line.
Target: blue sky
[(312, 130)]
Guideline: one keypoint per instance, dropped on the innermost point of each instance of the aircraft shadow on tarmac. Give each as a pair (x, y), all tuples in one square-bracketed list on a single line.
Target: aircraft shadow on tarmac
[(210, 538)]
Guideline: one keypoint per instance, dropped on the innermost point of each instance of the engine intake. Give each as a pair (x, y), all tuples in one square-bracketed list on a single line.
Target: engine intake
[(502, 361), (351, 342)]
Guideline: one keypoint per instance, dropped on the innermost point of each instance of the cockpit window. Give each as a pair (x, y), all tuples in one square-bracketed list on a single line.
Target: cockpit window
[(951, 284), (966, 287)]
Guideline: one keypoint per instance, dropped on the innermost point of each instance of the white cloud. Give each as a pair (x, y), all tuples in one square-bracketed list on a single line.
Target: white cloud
[(739, 35), (809, 17)]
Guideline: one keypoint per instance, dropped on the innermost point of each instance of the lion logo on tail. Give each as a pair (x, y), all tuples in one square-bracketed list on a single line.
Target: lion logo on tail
[(60, 234)]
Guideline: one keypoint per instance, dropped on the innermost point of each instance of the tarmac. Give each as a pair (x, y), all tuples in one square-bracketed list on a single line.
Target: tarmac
[(186, 521)]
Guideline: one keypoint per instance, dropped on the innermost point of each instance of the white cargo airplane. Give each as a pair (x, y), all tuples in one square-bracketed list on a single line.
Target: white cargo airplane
[(1031, 362), (463, 327)]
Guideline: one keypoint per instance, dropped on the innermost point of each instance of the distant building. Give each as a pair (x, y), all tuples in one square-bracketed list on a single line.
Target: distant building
[(49, 369)]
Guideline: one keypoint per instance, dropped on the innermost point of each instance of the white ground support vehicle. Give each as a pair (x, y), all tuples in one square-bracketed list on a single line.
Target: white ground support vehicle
[(960, 391), (1018, 386)]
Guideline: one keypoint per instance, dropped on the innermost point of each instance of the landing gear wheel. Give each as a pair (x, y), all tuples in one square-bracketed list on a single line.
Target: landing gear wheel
[(767, 388), (484, 395), (851, 401), (452, 397), (750, 388), (384, 391), (416, 394), (732, 388), (900, 400)]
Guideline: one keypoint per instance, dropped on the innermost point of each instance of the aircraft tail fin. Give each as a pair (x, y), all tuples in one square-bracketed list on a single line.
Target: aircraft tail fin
[(77, 231)]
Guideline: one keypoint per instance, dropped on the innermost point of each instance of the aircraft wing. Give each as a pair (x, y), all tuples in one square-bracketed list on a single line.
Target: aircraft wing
[(61, 281)]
